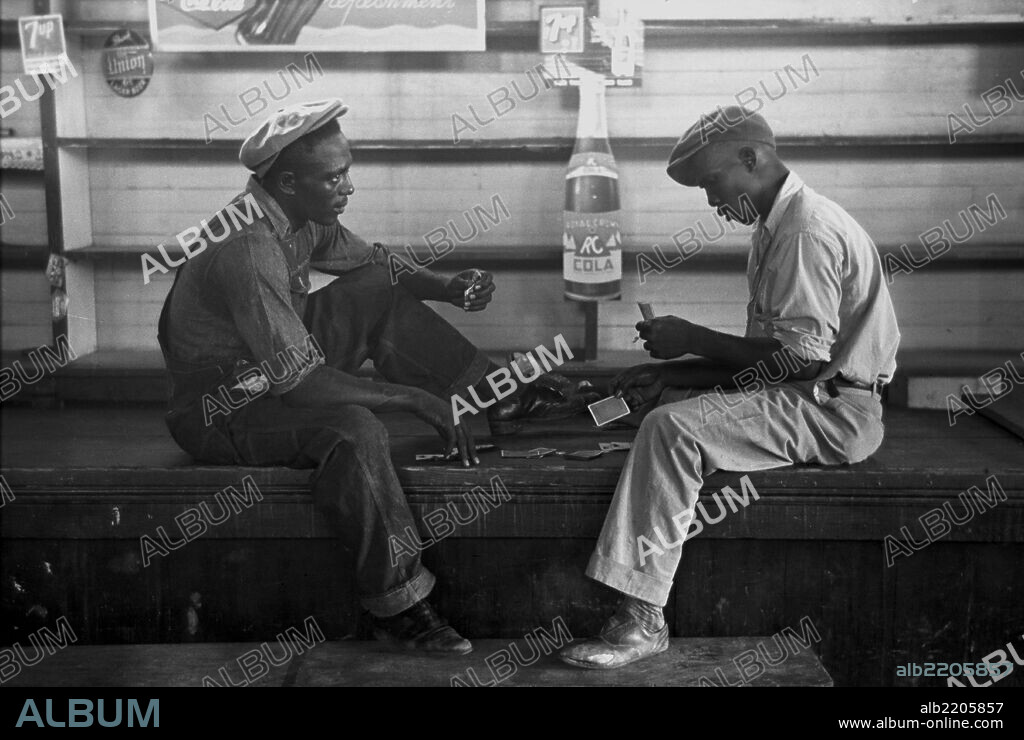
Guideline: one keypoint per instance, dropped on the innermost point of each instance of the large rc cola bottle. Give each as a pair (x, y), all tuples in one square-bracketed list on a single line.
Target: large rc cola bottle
[(592, 257)]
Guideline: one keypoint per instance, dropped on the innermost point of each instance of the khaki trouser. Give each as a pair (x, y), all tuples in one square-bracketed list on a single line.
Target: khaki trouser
[(681, 441)]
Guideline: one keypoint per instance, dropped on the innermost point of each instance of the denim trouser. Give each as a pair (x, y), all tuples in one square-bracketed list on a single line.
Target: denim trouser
[(680, 442), (359, 315)]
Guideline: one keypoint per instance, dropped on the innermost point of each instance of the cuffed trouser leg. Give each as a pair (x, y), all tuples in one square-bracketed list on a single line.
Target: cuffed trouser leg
[(354, 483), (640, 544), (356, 486)]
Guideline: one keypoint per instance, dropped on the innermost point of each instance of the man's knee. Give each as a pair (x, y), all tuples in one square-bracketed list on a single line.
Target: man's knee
[(674, 395), (864, 444), (668, 427), (355, 286), (657, 420), (354, 432), (674, 417)]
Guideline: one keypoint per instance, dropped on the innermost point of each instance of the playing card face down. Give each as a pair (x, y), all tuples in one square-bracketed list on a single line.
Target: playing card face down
[(614, 446), (425, 457), (583, 454), (608, 409), (536, 452)]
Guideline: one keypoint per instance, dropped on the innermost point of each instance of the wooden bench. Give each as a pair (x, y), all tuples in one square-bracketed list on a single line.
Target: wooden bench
[(923, 377), (89, 482)]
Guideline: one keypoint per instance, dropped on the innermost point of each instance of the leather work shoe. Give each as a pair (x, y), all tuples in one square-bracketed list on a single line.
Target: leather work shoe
[(550, 396), (621, 642), (420, 628)]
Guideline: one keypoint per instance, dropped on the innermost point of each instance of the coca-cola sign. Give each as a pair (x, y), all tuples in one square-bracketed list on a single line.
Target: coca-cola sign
[(213, 13), (318, 25)]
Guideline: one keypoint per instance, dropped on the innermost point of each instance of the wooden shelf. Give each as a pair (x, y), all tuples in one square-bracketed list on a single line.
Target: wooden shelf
[(561, 147), (549, 257), (677, 29), (767, 30)]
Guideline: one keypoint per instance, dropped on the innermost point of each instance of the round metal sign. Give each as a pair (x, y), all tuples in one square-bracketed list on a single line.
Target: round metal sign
[(127, 63)]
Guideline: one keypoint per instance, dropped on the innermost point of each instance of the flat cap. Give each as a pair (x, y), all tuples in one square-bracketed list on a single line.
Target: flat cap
[(259, 151), (731, 123)]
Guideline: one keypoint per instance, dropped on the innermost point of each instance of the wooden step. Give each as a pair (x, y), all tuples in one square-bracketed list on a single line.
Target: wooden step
[(524, 662)]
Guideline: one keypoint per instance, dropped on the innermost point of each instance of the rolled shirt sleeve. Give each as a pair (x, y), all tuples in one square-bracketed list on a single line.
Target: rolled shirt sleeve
[(802, 294), (253, 277)]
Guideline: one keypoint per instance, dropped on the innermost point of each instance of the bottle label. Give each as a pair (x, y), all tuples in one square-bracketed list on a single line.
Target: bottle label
[(592, 163), (591, 247)]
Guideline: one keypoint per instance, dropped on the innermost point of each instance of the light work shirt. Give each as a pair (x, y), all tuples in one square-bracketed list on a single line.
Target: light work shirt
[(817, 285)]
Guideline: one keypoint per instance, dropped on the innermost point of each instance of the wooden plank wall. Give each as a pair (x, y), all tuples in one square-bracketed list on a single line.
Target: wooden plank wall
[(141, 198), (858, 86), (528, 308), (862, 88), (24, 293)]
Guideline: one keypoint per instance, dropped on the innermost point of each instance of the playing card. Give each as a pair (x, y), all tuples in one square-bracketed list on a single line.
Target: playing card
[(645, 310), (613, 446), (485, 447), (608, 409), (583, 454), (519, 453)]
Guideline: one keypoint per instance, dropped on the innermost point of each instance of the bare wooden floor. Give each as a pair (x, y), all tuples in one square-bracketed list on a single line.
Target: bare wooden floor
[(687, 662)]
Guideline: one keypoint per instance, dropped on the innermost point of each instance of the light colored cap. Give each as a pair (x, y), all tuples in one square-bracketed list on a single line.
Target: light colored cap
[(261, 149)]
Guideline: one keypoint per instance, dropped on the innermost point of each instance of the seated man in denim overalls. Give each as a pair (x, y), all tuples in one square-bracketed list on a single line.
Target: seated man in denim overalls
[(263, 365)]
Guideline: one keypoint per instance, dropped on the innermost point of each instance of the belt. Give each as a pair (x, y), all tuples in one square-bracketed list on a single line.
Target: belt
[(834, 384)]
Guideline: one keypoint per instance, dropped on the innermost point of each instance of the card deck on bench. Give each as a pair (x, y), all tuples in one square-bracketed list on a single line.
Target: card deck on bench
[(608, 409)]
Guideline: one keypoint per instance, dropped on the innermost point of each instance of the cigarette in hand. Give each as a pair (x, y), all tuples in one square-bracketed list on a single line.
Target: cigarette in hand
[(469, 289)]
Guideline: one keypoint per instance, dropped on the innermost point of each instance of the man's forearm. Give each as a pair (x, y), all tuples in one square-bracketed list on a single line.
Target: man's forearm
[(696, 373), (327, 386), (739, 353), (425, 285)]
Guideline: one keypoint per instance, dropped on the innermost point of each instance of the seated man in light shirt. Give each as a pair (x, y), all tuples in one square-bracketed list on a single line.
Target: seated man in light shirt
[(803, 385)]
